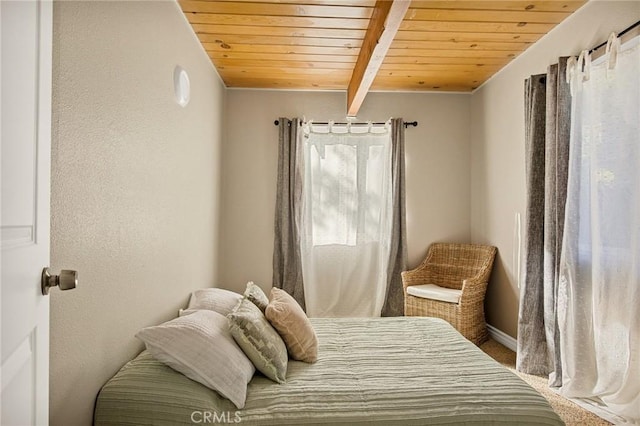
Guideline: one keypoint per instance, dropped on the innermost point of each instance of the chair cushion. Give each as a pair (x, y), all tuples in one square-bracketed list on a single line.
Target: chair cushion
[(435, 292)]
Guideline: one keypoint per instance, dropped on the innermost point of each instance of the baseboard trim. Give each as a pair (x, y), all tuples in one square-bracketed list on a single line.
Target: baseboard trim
[(502, 338)]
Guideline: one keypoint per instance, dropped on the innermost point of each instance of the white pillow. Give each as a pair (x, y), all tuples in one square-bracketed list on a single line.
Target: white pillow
[(214, 299), (200, 346)]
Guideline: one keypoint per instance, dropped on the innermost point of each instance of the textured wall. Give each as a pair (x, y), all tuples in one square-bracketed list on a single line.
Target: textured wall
[(497, 144), (437, 160), (135, 186)]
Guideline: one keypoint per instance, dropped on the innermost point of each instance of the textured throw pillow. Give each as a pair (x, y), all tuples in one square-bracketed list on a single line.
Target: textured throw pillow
[(200, 346), (288, 318), (259, 341), (256, 295), (214, 299)]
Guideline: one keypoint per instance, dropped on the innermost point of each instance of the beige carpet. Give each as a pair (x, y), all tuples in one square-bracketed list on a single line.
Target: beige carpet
[(570, 413)]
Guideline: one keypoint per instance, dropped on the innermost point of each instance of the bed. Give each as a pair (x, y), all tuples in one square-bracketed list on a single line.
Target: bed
[(405, 371)]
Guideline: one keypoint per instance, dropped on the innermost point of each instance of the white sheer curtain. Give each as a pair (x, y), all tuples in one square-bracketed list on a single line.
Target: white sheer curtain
[(346, 219), (599, 293)]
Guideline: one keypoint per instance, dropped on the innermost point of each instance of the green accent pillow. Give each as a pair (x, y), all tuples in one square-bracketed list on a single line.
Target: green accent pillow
[(259, 340), (257, 296)]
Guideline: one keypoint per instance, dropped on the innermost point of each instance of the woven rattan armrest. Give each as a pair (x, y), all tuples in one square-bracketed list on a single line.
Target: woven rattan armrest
[(416, 276), (472, 290)]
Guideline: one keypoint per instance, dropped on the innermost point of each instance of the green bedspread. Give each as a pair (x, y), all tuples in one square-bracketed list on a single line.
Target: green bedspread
[(370, 371)]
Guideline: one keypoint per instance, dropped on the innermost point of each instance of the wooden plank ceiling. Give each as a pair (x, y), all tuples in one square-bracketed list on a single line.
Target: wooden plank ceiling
[(450, 45)]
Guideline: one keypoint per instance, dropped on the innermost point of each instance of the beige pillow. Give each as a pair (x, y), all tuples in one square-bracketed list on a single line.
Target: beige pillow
[(286, 316), (256, 295), (259, 341), (200, 346)]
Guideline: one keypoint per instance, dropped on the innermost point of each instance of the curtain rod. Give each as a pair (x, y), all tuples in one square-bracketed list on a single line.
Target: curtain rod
[(407, 124), (620, 34)]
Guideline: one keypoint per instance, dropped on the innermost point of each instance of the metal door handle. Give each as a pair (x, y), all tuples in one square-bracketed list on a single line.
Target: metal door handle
[(67, 280)]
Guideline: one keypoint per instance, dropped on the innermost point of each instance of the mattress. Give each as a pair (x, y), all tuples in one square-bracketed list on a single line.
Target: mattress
[(405, 371)]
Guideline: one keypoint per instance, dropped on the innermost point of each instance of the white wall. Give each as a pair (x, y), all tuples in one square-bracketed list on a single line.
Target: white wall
[(497, 143), (437, 160), (135, 186)]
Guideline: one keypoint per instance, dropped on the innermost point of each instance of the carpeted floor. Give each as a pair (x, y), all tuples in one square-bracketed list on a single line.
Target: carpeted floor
[(570, 413)]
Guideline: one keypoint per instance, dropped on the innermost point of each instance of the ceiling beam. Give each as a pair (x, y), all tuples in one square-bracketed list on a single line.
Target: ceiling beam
[(383, 25)]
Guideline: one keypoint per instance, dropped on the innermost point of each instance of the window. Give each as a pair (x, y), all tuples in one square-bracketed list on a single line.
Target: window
[(348, 185)]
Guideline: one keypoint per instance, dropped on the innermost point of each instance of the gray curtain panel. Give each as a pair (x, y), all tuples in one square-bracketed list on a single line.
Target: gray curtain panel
[(532, 347), (394, 301), (558, 127), (547, 125), (287, 266)]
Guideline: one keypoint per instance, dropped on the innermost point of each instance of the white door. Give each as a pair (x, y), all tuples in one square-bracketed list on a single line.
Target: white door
[(26, 38)]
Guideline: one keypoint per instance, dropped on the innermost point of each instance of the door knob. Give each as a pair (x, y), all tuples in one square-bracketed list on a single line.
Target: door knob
[(67, 280)]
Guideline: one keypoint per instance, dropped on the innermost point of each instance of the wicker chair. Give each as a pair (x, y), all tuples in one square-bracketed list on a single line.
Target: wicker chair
[(462, 267)]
